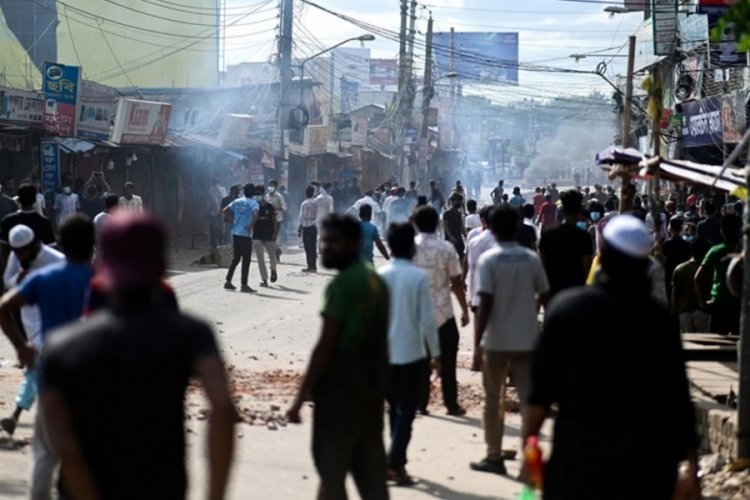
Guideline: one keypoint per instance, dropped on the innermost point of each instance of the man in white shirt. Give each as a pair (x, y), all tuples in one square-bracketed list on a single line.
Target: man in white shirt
[(512, 284), (29, 255), (392, 196), (66, 203), (478, 245), (439, 260), (324, 201), (131, 202), (367, 199), (111, 202), (278, 203), (472, 220), (411, 326)]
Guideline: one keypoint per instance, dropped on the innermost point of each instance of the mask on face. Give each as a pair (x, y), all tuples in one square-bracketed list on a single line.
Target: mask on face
[(271, 190), (688, 238), (595, 216), (257, 197), (66, 190), (581, 224)]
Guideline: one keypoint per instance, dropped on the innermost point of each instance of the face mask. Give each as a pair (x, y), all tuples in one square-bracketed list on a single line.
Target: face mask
[(66, 190), (271, 190), (688, 237), (257, 197), (581, 224), (595, 216)]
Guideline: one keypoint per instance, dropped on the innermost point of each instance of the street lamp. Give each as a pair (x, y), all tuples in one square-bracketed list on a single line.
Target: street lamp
[(578, 57), (362, 38)]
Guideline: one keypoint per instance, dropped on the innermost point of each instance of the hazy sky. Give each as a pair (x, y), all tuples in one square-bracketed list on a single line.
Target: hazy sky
[(549, 31)]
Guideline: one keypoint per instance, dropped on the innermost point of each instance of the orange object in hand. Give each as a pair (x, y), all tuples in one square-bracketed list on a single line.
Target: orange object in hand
[(533, 462)]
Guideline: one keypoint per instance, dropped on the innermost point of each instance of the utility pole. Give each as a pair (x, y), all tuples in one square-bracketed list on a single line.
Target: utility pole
[(285, 76), (452, 68), (427, 92), (657, 93), (403, 85), (626, 195), (331, 85), (743, 404)]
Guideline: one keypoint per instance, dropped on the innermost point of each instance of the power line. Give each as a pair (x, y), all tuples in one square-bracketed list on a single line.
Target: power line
[(183, 8), (178, 21)]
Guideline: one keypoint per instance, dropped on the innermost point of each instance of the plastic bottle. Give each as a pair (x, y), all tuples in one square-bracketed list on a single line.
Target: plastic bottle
[(534, 469)]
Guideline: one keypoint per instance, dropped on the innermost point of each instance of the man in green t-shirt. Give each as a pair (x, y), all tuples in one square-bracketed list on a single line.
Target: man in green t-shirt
[(346, 377), (711, 280)]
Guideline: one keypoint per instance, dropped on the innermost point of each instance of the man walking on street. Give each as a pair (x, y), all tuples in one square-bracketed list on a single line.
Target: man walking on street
[(59, 291), (264, 237), (370, 236), (512, 285), (27, 216), (711, 279), (308, 229), (243, 212), (453, 226), (29, 255), (412, 326), (216, 192), (348, 371), (278, 203), (137, 357), (129, 201), (588, 365), (567, 249), (439, 260)]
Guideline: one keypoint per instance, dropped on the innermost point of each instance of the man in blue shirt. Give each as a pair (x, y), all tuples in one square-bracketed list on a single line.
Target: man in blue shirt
[(370, 236), (59, 291), (242, 213)]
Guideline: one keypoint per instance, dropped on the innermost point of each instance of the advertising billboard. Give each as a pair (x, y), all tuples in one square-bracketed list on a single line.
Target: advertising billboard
[(21, 107), (97, 105), (384, 72), (141, 122), (485, 57), (701, 122), (60, 86)]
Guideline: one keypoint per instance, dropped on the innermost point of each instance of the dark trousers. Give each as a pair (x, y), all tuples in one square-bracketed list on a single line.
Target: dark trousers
[(460, 247), (309, 240), (243, 249), (348, 436), (448, 336), (402, 402), (214, 230), (725, 319)]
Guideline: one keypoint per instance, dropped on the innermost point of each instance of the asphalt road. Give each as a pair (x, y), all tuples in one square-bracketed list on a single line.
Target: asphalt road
[(266, 338)]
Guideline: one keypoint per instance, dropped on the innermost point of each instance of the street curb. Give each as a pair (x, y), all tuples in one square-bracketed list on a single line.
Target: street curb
[(717, 429)]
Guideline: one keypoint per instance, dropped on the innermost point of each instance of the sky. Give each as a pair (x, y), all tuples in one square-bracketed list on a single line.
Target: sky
[(549, 32)]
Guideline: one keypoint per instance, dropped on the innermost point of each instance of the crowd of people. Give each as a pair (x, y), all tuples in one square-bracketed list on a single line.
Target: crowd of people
[(569, 253), (506, 261)]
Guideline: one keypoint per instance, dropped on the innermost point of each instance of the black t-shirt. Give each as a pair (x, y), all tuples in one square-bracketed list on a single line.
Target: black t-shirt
[(676, 251), (454, 221), (123, 375), (591, 340), (40, 224), (92, 207), (563, 248), (264, 226), (526, 236)]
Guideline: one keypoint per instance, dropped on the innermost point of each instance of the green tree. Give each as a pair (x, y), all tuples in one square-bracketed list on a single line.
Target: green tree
[(739, 16)]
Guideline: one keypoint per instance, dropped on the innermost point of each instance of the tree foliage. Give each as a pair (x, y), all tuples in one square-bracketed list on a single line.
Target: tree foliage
[(739, 16)]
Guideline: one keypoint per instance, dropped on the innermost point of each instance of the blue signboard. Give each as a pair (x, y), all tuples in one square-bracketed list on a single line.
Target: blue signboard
[(701, 123), (60, 88), (50, 166), (485, 57)]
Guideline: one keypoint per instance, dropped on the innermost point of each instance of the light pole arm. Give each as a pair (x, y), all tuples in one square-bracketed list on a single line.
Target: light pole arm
[(304, 61)]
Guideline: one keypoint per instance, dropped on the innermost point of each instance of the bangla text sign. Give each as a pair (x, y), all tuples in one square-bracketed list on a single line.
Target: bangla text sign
[(21, 107), (60, 86)]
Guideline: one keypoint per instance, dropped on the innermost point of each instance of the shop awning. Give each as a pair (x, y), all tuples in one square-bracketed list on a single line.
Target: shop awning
[(71, 145), (731, 180)]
